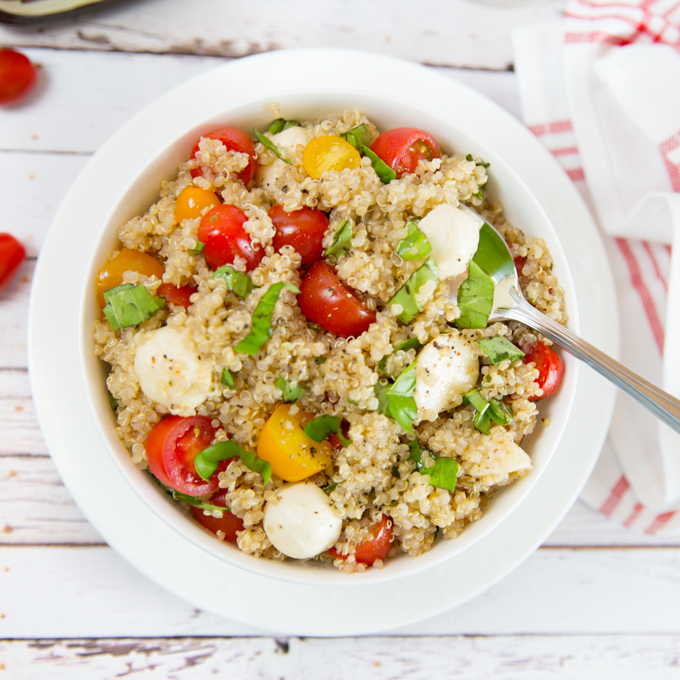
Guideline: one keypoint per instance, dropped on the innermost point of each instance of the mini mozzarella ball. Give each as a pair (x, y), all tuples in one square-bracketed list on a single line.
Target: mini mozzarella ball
[(267, 175), (301, 523), (499, 459), (447, 367), (170, 371), (454, 237), (288, 141)]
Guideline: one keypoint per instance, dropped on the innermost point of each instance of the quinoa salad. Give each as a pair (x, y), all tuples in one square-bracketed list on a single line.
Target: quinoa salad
[(299, 347)]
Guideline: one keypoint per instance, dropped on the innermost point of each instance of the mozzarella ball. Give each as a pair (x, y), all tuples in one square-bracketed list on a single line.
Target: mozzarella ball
[(499, 459), (267, 175), (290, 140), (301, 523)]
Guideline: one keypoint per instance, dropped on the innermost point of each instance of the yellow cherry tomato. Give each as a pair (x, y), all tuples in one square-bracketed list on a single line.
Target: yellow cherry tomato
[(192, 201), (329, 153), (291, 453), (127, 260)]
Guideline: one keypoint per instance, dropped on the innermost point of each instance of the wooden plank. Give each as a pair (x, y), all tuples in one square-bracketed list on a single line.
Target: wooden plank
[(421, 658), (14, 322), (439, 32)]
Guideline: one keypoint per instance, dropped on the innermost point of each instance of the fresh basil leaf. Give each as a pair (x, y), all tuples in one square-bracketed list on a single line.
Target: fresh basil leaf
[(206, 461), (469, 157), (129, 305), (384, 171), (191, 500), (484, 165), (198, 250), (500, 412), (237, 282), (358, 136), (486, 411), (329, 487), (498, 349), (291, 394), (321, 360), (415, 246), (475, 298), (474, 398), (416, 455), (314, 326), (280, 124), (380, 391), (406, 295), (270, 145), (319, 428), (341, 242), (479, 195), (401, 404), (444, 473), (411, 343), (482, 421), (261, 321), (227, 378), (112, 400)]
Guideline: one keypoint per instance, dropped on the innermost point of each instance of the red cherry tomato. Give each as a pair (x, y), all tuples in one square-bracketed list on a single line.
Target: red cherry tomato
[(402, 148), (229, 523), (303, 229), (222, 232), (519, 264), (171, 448), (550, 368), (17, 76), (326, 301), (234, 140), (178, 296), (12, 254), (375, 546)]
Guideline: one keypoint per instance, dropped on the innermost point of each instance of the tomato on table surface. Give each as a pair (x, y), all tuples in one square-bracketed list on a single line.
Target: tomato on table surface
[(234, 140), (326, 301), (550, 368), (171, 448), (176, 295), (302, 229), (192, 201), (225, 238), (17, 76), (126, 260), (323, 154), (228, 524), (12, 254), (403, 148), (375, 546)]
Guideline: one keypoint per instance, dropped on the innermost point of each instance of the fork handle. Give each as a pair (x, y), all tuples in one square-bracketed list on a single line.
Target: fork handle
[(660, 403)]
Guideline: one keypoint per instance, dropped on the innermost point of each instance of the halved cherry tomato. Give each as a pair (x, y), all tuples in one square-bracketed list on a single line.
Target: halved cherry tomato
[(171, 448), (192, 201), (550, 368), (12, 254), (375, 546), (402, 148), (229, 523), (178, 296), (127, 260), (17, 76), (303, 229), (291, 453), (323, 154), (234, 140), (326, 301), (519, 264), (225, 238)]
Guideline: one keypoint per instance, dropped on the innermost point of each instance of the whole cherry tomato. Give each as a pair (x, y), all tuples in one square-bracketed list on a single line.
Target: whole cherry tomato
[(126, 260), (375, 546), (225, 238), (323, 154), (550, 368), (234, 140), (178, 296), (303, 229), (12, 254), (229, 524), (326, 301), (17, 76), (171, 448), (402, 148), (192, 201)]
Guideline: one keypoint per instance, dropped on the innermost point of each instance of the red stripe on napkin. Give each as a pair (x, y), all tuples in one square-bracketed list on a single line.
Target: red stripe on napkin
[(547, 128), (617, 493), (637, 511), (565, 151), (576, 175), (660, 521), (655, 265)]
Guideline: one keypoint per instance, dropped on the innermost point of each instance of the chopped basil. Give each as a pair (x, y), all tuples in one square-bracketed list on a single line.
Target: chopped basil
[(486, 411), (191, 500), (479, 195), (469, 157), (396, 400), (406, 295), (319, 428), (444, 473), (270, 145), (329, 487), (237, 282), (384, 171), (500, 412), (475, 298), (128, 305), (341, 242), (291, 394), (280, 124), (206, 461), (113, 401), (261, 321), (358, 136), (227, 378), (415, 246), (499, 349), (482, 421), (474, 398), (411, 343), (321, 360), (198, 250), (416, 454)]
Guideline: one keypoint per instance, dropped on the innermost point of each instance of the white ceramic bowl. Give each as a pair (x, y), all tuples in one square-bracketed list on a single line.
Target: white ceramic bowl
[(153, 155)]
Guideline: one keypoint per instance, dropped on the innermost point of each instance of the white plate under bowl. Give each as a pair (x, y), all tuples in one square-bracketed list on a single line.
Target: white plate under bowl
[(98, 484)]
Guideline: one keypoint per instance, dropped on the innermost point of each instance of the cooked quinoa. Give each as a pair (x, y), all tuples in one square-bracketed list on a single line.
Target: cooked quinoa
[(374, 475)]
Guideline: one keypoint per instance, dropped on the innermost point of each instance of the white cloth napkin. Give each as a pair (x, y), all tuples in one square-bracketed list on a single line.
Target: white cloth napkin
[(603, 93)]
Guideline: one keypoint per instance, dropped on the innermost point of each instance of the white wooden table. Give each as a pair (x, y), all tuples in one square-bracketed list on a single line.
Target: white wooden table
[(595, 601)]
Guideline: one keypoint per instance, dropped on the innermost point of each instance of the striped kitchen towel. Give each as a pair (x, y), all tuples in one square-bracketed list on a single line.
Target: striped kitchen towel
[(602, 92)]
